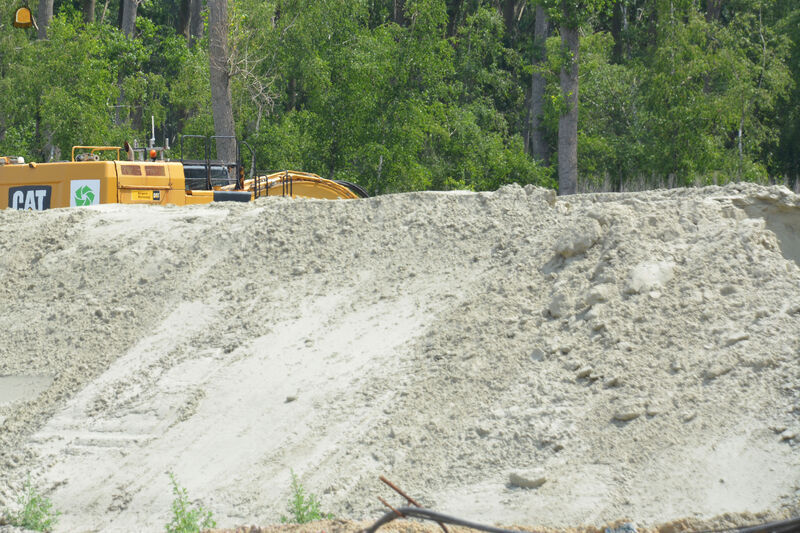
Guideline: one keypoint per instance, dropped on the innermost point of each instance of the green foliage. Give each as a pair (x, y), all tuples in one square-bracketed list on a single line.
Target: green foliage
[(785, 159), (185, 518), (303, 507), (705, 83), (574, 13), (435, 97), (35, 511), (677, 98)]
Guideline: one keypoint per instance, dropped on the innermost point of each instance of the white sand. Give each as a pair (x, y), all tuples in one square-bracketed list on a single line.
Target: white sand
[(637, 351)]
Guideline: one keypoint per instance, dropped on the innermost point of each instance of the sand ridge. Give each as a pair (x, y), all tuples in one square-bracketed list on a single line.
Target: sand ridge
[(638, 352)]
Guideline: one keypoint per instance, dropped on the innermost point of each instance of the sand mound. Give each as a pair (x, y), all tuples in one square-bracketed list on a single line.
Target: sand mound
[(628, 356)]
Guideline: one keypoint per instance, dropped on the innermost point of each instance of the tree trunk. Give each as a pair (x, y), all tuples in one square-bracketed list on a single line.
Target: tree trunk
[(44, 16), (195, 21), (88, 11), (128, 22), (105, 10), (507, 9), (568, 122), (713, 10), (398, 14), (221, 106), (291, 101), (190, 20), (511, 11), (616, 32), (182, 25), (453, 15), (538, 145), (276, 17)]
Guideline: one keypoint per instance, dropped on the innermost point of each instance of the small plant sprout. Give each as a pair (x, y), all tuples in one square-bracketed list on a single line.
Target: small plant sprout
[(185, 518), (35, 511), (303, 507)]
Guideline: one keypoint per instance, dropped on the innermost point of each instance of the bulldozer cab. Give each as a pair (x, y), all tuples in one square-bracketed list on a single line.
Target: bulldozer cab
[(201, 171)]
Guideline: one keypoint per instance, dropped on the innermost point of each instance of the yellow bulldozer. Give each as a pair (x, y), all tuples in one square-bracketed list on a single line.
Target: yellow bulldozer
[(129, 175)]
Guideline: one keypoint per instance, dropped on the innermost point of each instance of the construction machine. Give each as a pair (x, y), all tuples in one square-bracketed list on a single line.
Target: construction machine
[(131, 175)]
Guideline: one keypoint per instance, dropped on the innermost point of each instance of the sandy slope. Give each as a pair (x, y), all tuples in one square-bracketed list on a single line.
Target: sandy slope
[(639, 351)]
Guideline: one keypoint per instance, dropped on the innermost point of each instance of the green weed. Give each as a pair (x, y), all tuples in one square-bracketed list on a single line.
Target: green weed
[(186, 519), (303, 507), (35, 511)]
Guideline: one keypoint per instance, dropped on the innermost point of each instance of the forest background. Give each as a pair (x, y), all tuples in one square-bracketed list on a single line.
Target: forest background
[(421, 94)]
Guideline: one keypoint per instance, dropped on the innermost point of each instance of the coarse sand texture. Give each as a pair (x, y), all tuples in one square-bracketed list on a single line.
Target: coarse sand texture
[(510, 357)]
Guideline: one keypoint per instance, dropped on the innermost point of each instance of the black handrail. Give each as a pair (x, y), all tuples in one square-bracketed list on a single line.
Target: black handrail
[(206, 160), (237, 164)]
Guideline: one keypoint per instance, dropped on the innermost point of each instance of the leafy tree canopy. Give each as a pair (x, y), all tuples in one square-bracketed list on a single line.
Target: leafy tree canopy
[(426, 94)]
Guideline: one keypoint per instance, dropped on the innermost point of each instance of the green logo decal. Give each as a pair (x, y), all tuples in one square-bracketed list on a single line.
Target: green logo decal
[(84, 196)]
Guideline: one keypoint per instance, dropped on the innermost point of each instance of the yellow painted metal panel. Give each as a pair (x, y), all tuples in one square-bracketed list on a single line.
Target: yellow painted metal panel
[(137, 174), (299, 185), (176, 177), (198, 197), (61, 184)]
